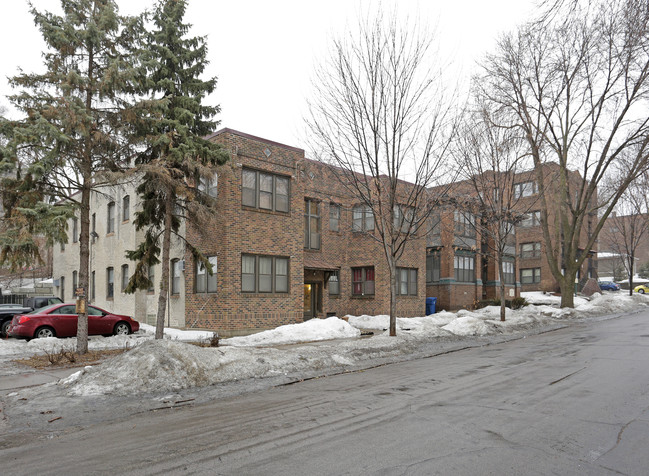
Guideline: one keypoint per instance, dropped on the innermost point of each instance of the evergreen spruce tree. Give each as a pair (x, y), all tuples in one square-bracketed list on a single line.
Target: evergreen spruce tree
[(177, 158), (71, 138)]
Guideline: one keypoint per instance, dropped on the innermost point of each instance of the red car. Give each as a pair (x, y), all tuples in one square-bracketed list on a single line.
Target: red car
[(60, 320)]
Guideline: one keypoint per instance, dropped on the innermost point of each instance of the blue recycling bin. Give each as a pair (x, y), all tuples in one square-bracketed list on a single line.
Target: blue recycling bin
[(431, 302)]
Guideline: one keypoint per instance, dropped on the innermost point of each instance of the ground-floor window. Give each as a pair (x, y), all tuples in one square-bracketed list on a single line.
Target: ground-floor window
[(509, 276), (407, 281), (334, 284), (264, 274), (363, 281), (433, 266), (464, 267), (530, 275)]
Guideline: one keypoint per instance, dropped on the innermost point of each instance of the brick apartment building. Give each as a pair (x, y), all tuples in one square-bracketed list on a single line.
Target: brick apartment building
[(288, 243)]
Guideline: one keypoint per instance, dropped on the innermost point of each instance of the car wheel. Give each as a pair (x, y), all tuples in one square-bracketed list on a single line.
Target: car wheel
[(43, 332), (641, 291), (5, 328), (121, 329)]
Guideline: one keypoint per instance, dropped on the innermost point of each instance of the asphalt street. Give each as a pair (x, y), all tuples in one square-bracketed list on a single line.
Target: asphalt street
[(570, 401)]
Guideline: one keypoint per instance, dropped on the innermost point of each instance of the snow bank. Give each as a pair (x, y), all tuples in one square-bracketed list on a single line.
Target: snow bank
[(311, 330)]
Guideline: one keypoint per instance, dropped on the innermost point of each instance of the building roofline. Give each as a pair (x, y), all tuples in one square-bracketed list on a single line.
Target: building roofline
[(227, 130)]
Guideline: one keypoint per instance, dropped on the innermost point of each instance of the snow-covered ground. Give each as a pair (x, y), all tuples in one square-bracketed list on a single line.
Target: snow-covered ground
[(173, 363)]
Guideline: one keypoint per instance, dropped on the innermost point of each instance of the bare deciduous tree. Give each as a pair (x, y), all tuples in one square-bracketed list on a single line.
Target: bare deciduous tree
[(577, 84), (380, 117)]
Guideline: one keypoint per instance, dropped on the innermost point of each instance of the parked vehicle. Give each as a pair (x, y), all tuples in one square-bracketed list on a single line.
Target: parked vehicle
[(609, 286), (60, 320), (32, 303), (641, 288)]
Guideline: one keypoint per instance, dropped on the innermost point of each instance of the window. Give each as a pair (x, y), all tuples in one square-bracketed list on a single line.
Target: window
[(110, 283), (433, 266), (407, 281), (435, 224), (93, 295), (311, 224), (265, 191), (525, 189), (176, 269), (530, 250), (403, 218), (530, 276), (209, 185), (75, 230), (110, 218), (93, 226), (362, 218), (334, 217), (531, 219), (62, 283), (125, 276), (206, 283), (126, 208), (334, 283), (509, 276), (464, 266), (363, 281), (264, 274), (75, 282), (464, 224), (151, 276)]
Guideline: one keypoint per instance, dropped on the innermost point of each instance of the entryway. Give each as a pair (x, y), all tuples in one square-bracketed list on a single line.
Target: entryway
[(311, 300)]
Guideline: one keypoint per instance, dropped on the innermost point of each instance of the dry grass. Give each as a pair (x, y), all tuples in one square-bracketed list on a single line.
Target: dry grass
[(67, 358)]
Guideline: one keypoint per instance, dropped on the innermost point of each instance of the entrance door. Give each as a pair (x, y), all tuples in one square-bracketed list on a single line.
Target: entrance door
[(310, 300)]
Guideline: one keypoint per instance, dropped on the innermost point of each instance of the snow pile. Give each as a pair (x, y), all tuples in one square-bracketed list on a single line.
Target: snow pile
[(178, 334), (311, 330), (539, 297)]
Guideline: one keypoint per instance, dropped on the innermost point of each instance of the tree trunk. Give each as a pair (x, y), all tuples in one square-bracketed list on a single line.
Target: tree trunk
[(164, 279), (503, 308), (567, 286), (84, 266), (393, 298)]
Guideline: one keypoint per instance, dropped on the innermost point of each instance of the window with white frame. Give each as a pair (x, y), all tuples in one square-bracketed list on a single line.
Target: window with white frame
[(126, 208), (206, 283), (509, 275), (334, 283), (75, 230), (209, 185)]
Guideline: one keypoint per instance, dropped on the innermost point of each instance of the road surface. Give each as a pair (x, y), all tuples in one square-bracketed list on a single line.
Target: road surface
[(570, 401)]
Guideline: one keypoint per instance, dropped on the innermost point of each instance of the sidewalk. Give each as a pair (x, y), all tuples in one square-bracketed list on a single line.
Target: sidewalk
[(12, 383)]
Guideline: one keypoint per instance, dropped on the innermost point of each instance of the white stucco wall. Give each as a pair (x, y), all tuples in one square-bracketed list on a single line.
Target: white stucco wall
[(109, 250)]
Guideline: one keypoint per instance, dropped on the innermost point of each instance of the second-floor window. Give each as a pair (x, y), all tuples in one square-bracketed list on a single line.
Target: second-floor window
[(75, 230), (464, 224), (110, 218), (363, 281), (265, 191), (362, 218), (530, 250), (334, 217), (403, 218), (126, 208), (209, 186), (311, 224), (531, 219), (525, 189)]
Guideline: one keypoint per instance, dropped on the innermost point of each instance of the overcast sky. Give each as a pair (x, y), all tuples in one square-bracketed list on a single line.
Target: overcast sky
[(264, 51)]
